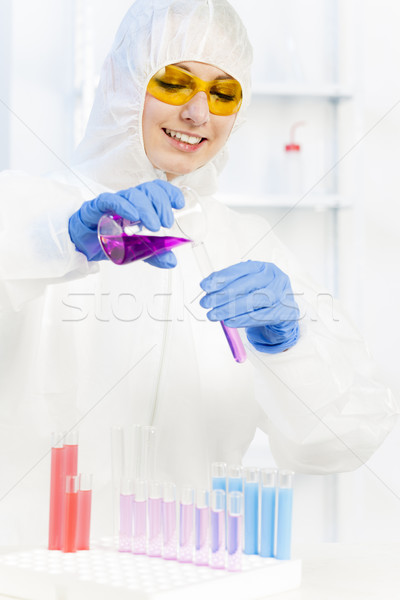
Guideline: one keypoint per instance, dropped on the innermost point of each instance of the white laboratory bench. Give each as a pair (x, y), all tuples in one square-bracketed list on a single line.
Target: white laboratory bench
[(347, 572), (339, 572)]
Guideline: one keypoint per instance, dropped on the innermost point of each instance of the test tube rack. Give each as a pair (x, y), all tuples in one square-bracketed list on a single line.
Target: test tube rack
[(102, 573)]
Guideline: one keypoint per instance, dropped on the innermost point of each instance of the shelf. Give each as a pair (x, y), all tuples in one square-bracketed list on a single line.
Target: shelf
[(289, 90), (316, 201)]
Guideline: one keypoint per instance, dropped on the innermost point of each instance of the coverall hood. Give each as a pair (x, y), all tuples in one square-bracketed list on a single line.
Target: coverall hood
[(155, 33)]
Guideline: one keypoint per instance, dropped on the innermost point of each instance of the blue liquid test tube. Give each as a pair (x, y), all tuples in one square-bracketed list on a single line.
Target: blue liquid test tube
[(251, 501), (235, 478), (186, 525), (235, 531), (284, 519), (126, 499), (217, 524), (218, 476), (267, 525)]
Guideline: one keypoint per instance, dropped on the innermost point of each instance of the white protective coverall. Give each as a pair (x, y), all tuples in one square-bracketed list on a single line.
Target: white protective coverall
[(96, 345)]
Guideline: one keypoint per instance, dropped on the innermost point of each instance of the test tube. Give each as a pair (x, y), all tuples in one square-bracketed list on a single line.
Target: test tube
[(186, 525), (117, 444), (235, 531), (284, 519), (71, 513), (251, 492), (201, 528), (218, 476), (267, 526), (217, 524), (84, 511), (71, 453), (57, 492), (235, 478), (147, 453), (231, 333), (126, 499), (132, 450), (139, 518), (170, 540), (154, 512)]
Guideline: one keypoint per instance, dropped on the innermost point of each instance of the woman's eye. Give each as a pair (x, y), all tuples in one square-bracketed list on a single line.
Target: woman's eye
[(170, 86), (223, 97)]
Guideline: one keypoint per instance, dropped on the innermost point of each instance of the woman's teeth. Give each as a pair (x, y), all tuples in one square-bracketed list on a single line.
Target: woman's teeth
[(182, 137)]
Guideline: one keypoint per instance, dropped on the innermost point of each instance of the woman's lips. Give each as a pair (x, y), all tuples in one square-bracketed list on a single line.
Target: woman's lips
[(184, 141)]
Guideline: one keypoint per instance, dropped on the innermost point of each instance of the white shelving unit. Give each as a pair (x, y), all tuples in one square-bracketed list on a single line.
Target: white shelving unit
[(300, 75)]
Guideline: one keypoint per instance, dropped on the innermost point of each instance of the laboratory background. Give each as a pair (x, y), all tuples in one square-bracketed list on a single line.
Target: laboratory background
[(321, 154)]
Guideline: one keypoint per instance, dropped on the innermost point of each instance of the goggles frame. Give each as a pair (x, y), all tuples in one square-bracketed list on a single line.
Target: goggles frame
[(174, 85)]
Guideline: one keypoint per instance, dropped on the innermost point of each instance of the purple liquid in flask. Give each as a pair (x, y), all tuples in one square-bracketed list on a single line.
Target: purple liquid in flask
[(122, 248)]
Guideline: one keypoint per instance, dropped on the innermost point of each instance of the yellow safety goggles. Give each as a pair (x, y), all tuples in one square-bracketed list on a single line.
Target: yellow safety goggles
[(174, 85)]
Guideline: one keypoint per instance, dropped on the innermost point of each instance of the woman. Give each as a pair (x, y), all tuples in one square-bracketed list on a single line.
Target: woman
[(91, 344)]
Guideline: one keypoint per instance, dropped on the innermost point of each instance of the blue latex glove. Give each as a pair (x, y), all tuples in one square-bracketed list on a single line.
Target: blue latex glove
[(258, 296), (150, 203)]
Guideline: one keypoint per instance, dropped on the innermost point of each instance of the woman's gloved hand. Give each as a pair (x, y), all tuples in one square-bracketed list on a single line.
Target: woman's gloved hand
[(258, 296), (150, 203)]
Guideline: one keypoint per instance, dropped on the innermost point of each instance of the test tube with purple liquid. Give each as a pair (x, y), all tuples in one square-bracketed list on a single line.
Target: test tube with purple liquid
[(154, 509), (170, 539), (139, 518), (186, 525), (235, 531), (217, 523), (231, 333), (201, 527), (126, 499)]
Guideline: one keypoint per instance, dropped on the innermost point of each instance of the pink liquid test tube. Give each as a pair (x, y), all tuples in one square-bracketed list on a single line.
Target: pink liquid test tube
[(71, 513), (139, 518), (186, 525), (201, 528), (217, 534), (84, 511), (57, 492), (235, 531), (126, 499), (170, 538), (154, 513)]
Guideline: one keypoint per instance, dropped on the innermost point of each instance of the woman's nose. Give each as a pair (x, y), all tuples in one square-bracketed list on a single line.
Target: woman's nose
[(196, 110)]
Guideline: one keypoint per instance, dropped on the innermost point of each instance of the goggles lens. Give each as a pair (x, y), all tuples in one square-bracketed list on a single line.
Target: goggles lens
[(174, 85)]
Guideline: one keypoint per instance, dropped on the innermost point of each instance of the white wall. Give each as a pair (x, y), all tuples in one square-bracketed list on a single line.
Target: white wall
[(5, 52), (373, 510)]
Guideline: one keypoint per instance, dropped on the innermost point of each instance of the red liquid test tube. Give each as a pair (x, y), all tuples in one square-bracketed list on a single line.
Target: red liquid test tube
[(71, 453), (71, 513), (84, 512), (57, 492)]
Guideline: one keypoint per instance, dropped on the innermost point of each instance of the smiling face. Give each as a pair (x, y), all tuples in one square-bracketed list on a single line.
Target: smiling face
[(180, 139)]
